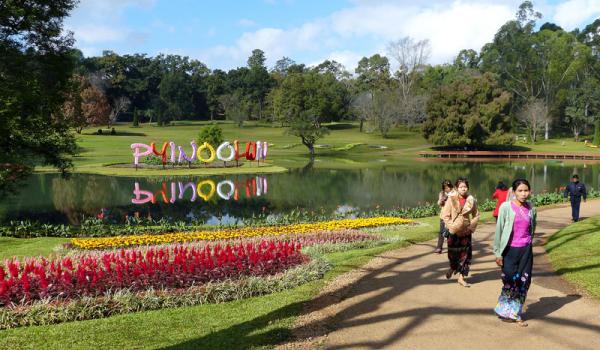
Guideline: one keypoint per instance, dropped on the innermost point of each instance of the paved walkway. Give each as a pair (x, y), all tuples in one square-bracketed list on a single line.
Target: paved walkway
[(403, 301)]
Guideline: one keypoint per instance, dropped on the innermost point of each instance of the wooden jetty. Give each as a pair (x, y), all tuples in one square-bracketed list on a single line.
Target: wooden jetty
[(509, 155)]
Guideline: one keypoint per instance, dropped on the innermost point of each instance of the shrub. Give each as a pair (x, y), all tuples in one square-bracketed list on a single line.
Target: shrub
[(213, 134)]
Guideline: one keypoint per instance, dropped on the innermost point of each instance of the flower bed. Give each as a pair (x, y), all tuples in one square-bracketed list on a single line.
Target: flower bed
[(42, 312), (125, 241), (174, 266), (305, 240)]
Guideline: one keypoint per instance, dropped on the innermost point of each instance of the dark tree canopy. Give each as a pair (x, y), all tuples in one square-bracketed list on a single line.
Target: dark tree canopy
[(36, 64), (469, 112)]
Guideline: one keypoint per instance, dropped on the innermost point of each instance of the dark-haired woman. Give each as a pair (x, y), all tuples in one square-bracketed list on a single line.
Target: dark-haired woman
[(513, 251), (460, 216), (500, 196), (447, 190)]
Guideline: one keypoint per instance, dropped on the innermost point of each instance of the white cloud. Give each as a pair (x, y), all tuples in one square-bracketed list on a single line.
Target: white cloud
[(449, 28), (93, 34), (363, 28), (449, 25), (572, 13), (275, 42), (100, 22)]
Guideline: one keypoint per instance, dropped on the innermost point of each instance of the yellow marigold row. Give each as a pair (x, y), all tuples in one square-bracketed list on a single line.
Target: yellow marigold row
[(126, 241)]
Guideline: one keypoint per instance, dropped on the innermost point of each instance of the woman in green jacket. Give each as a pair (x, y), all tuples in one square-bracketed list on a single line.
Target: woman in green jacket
[(513, 251)]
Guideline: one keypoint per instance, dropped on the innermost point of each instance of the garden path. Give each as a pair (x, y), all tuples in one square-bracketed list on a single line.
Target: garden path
[(401, 300)]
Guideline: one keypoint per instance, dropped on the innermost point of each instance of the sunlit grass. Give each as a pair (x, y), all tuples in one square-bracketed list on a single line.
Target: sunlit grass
[(575, 254)]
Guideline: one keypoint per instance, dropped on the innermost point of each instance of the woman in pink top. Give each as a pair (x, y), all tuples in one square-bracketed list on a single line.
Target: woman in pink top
[(514, 254)]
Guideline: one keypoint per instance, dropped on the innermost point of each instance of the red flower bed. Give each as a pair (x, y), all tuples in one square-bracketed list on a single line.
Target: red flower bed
[(174, 266)]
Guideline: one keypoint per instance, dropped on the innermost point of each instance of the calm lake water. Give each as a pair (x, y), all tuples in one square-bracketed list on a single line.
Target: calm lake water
[(48, 198)]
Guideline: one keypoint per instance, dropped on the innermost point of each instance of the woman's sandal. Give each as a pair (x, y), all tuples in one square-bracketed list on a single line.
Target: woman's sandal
[(464, 283), (521, 323), (449, 273)]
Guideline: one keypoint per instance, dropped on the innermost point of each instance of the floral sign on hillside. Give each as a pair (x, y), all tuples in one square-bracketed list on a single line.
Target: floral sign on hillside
[(205, 153)]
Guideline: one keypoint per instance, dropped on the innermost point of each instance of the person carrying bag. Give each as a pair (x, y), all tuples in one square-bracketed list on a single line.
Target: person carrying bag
[(460, 215)]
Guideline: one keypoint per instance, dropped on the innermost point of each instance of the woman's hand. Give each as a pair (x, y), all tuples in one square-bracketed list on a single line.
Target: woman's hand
[(500, 262)]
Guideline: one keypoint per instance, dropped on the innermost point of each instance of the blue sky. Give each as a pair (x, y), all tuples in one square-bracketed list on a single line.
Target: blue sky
[(223, 33)]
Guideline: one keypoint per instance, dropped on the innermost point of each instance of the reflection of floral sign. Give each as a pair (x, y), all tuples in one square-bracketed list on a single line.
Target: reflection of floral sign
[(253, 151), (206, 189)]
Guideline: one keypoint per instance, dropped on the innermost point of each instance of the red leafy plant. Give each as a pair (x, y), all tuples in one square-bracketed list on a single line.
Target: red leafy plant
[(138, 269)]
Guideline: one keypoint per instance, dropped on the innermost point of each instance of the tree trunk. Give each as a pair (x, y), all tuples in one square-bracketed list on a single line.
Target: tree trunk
[(546, 131), (309, 145), (361, 125)]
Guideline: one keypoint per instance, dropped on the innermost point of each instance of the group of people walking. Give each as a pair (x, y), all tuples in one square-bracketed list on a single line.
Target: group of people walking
[(512, 247)]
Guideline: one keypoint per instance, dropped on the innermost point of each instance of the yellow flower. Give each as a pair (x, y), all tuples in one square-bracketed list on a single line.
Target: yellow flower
[(126, 241)]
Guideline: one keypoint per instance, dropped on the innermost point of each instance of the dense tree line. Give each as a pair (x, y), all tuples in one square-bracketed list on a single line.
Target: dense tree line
[(543, 80), (540, 81)]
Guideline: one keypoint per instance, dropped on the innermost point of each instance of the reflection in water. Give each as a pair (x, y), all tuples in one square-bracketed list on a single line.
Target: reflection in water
[(48, 198), (254, 187)]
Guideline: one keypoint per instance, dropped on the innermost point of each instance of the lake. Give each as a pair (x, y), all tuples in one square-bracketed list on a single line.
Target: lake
[(49, 198)]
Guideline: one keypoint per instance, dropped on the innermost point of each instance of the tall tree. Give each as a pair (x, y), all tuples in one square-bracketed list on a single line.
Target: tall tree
[(258, 81), (411, 58), (373, 76), (469, 112), (304, 100), (560, 56), (36, 65), (467, 59), (216, 85), (95, 106), (281, 67), (511, 55), (373, 73), (73, 107), (236, 107), (534, 115), (380, 109)]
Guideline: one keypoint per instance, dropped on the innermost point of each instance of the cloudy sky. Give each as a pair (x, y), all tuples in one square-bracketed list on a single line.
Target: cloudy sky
[(223, 33)]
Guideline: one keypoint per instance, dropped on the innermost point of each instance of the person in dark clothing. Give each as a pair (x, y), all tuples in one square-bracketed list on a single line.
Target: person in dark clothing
[(575, 190)]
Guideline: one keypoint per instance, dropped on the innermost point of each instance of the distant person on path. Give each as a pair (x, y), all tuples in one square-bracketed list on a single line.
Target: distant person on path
[(447, 190), (500, 196), (460, 216), (513, 250), (575, 190)]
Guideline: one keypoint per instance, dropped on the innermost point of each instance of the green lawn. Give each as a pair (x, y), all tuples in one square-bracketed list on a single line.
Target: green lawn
[(344, 147), (252, 323), (23, 247), (575, 254), (559, 145)]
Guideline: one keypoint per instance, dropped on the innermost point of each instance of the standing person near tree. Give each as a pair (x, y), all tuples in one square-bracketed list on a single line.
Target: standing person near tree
[(500, 196), (460, 216), (447, 190), (575, 190), (514, 253)]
